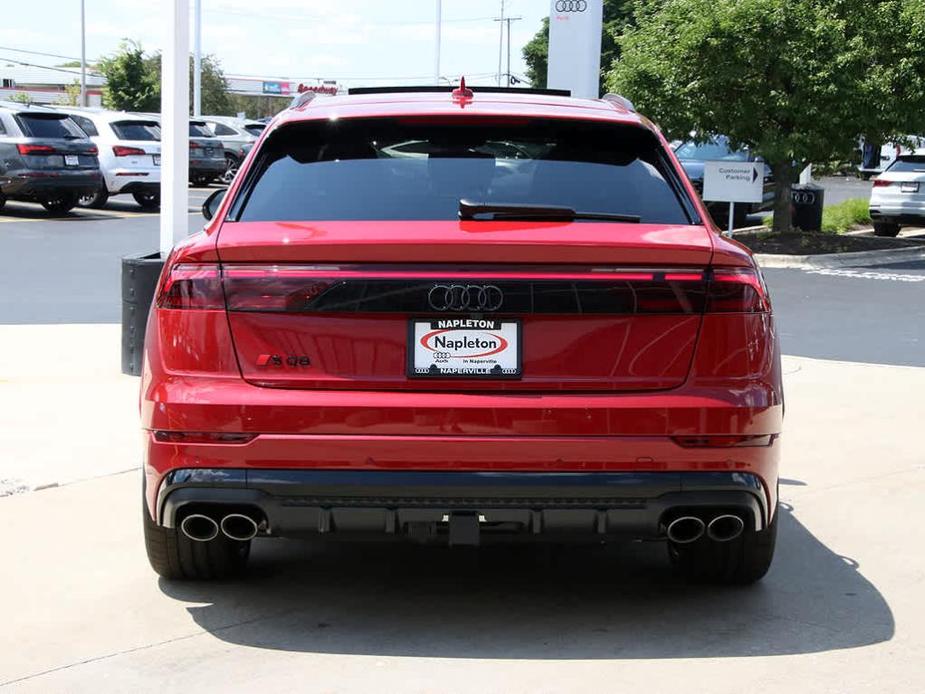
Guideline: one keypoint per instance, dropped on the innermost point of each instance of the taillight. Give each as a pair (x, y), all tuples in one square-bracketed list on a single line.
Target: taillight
[(121, 151), (737, 290), (271, 289), (35, 149), (195, 145), (192, 286), (880, 183)]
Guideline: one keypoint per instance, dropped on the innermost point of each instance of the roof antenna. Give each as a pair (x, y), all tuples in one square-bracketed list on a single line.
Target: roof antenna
[(462, 93)]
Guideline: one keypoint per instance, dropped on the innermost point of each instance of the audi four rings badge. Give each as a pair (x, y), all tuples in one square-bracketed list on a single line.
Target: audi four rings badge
[(465, 297), (571, 5)]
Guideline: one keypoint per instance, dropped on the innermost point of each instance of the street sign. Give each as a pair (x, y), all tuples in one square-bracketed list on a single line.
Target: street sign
[(733, 181)]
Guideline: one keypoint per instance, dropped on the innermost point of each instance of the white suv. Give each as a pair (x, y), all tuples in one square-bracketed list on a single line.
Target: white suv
[(897, 198), (130, 155)]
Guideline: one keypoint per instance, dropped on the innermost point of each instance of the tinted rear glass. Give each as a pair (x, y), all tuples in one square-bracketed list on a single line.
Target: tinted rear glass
[(420, 169), (255, 129), (199, 130), (52, 125), (137, 130), (716, 150), (907, 164)]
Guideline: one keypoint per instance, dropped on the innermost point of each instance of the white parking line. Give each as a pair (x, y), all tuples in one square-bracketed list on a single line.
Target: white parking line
[(868, 275)]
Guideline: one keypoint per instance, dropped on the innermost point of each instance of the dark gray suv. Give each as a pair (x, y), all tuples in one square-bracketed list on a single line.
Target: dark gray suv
[(45, 158)]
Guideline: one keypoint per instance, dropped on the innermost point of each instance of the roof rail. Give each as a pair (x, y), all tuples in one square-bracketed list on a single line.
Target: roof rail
[(619, 100), (450, 87)]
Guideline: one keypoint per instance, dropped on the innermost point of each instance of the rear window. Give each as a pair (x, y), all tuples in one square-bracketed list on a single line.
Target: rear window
[(85, 124), (907, 164), (137, 130), (394, 169), (255, 128), (716, 150), (199, 130), (51, 125)]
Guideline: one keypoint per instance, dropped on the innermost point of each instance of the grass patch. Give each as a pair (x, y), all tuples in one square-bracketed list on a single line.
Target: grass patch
[(837, 219)]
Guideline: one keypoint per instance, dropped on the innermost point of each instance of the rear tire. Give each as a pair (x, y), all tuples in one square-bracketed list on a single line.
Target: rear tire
[(176, 557), (886, 229), (2, 201), (148, 201), (95, 200), (739, 562), (62, 204)]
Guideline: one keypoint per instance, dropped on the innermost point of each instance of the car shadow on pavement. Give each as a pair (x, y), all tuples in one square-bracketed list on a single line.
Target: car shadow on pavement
[(615, 602)]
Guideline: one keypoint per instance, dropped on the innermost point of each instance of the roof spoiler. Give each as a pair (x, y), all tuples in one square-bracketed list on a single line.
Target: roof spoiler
[(619, 100)]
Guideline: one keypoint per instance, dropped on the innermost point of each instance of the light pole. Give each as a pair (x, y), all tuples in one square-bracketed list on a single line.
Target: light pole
[(197, 58), (83, 56), (437, 22), (505, 20), (175, 126)]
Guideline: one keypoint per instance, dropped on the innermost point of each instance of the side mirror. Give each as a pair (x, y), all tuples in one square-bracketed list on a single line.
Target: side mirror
[(213, 202)]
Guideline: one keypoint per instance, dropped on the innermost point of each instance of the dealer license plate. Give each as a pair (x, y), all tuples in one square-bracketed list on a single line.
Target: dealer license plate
[(71, 160), (464, 348), (909, 188)]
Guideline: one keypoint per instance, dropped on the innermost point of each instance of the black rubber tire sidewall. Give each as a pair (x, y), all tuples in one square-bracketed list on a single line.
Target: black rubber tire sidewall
[(887, 230)]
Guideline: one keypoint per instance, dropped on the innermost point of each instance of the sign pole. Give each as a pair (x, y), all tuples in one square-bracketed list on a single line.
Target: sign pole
[(732, 209), (175, 126)]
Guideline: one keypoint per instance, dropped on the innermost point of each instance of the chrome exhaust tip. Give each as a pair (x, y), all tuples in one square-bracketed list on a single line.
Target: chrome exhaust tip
[(237, 526), (685, 529), (725, 528), (199, 528)]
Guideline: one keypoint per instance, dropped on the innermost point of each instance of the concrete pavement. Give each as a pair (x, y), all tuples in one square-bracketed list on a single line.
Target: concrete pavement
[(839, 611)]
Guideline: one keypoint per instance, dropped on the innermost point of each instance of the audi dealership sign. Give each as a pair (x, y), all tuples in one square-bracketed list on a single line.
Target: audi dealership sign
[(575, 46)]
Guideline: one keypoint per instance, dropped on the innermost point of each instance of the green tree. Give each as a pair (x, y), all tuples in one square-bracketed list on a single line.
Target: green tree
[(795, 80), (215, 98), (618, 14), (129, 84)]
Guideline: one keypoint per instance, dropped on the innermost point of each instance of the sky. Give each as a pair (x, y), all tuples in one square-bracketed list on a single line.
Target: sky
[(357, 42)]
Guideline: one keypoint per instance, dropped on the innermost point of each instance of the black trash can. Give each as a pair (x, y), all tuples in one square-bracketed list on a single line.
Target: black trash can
[(806, 206), (139, 280)]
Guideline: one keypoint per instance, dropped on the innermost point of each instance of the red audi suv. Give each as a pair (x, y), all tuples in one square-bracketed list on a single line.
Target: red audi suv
[(461, 316)]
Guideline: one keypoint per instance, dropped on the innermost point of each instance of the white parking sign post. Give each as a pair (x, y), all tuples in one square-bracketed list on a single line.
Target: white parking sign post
[(732, 182)]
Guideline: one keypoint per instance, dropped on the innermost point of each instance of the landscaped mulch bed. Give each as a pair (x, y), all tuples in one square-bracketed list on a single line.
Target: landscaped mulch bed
[(810, 243)]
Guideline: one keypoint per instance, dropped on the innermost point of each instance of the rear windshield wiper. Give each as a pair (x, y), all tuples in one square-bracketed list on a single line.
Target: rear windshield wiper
[(469, 209)]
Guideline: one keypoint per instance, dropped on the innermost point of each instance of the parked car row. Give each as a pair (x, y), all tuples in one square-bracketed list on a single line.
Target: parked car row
[(66, 156)]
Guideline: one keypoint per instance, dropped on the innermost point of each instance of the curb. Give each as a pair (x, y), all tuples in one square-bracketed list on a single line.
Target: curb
[(836, 260)]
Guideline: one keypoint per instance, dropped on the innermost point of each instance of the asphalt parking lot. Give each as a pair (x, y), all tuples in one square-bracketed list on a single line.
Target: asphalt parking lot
[(840, 611)]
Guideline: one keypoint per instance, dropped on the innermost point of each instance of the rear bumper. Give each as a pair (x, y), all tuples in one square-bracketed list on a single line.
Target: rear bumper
[(611, 484), (40, 184), (207, 167), (432, 505), (905, 214), (129, 180)]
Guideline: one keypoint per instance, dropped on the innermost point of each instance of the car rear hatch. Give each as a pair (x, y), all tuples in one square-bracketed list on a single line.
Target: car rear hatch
[(386, 290), (54, 142), (138, 145)]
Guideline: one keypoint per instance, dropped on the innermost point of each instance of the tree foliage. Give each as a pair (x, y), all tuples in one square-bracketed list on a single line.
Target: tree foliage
[(796, 80), (618, 14), (133, 82), (130, 86)]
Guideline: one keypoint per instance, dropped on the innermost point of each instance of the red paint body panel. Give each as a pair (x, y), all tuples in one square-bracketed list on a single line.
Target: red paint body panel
[(610, 408)]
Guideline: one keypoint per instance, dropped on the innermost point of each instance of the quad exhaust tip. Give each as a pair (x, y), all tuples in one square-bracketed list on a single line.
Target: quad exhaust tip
[(199, 528), (237, 526), (725, 528), (685, 529)]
